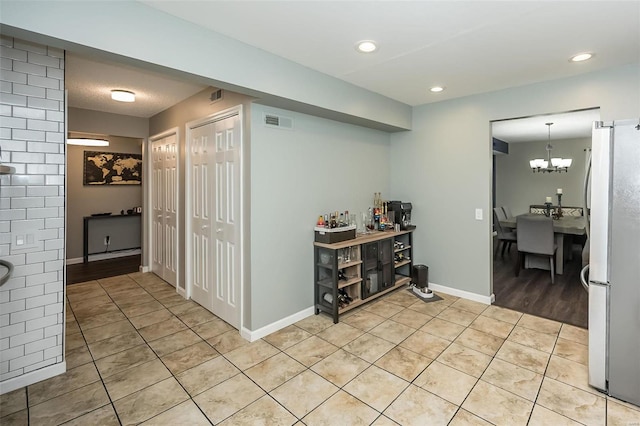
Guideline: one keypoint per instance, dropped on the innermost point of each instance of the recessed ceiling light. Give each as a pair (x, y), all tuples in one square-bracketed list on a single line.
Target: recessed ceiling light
[(581, 57), (366, 46), (87, 142), (123, 96), (436, 89)]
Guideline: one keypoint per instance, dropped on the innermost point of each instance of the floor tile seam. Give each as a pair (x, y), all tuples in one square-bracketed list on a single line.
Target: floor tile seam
[(145, 313), (339, 347), (409, 381), (597, 395), (104, 381), (66, 393), (342, 388), (268, 393), (106, 338), (163, 411), (237, 411), (137, 332), (147, 387), (533, 403), (49, 398), (554, 411)]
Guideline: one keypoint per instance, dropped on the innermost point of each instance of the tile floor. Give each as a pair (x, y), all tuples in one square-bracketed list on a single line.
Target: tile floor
[(139, 353)]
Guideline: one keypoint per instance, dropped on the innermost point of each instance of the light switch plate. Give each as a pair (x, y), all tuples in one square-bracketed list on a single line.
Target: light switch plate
[(478, 214)]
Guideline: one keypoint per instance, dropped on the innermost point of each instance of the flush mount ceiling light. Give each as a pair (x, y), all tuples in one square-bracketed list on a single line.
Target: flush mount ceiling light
[(123, 96), (555, 164), (366, 46), (436, 89), (87, 142), (581, 57)]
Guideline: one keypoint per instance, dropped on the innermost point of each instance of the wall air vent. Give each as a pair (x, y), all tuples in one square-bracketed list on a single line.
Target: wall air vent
[(216, 96), (278, 121)]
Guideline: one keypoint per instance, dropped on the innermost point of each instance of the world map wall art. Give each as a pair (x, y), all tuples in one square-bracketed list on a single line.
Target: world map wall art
[(112, 168)]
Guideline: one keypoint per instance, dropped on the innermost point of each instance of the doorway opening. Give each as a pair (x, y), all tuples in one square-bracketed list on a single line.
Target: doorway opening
[(518, 190)]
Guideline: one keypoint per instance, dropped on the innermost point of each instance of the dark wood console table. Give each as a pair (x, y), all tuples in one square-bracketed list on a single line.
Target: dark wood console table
[(88, 219)]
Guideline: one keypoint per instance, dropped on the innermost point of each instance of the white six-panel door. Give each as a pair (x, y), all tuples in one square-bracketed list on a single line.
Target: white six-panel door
[(164, 203), (226, 303), (214, 200), (199, 227)]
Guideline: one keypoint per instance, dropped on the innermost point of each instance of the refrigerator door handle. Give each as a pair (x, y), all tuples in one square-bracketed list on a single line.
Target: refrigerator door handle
[(600, 202)]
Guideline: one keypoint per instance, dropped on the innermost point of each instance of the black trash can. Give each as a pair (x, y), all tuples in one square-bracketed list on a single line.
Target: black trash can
[(420, 276)]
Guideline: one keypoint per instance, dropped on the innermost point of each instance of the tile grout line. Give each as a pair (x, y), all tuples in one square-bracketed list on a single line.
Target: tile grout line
[(368, 332)]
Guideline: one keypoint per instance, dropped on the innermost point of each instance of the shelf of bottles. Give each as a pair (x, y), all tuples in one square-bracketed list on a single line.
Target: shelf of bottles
[(341, 266)]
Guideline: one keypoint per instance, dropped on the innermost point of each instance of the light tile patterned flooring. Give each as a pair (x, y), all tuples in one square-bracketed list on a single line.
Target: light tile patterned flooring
[(137, 352)]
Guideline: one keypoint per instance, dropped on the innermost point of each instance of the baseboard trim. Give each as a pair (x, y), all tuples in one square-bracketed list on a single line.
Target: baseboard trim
[(275, 326), (145, 269), (487, 300), (103, 256), (32, 377)]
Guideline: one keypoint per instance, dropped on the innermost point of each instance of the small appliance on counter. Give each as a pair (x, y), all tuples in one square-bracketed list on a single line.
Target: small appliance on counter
[(402, 214)]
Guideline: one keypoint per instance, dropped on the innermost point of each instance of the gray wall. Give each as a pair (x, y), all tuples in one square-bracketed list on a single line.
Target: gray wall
[(444, 165), (125, 134), (86, 200), (518, 187), (32, 202), (317, 167)]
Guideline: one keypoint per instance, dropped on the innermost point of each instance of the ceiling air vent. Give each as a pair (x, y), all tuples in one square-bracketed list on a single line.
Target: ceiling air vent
[(216, 96), (272, 120)]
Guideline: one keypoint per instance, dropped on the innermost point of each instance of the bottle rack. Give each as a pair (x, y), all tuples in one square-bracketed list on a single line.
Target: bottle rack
[(340, 269)]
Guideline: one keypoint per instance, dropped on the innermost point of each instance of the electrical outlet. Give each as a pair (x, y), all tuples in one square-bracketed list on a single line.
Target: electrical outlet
[(478, 214), (106, 240)]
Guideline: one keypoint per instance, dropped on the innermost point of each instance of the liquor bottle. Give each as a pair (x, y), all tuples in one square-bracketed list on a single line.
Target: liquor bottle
[(341, 221), (320, 221), (326, 221)]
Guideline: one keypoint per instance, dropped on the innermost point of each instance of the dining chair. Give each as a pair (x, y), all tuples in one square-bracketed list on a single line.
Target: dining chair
[(505, 237), (508, 215), (535, 236), (507, 211), (572, 211)]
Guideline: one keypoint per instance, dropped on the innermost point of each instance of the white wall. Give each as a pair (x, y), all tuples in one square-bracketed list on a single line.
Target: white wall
[(32, 202), (296, 175), (518, 187), (444, 165)]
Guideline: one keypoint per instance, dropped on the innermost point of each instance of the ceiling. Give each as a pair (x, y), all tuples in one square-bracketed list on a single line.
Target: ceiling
[(89, 83), (567, 125), (469, 47)]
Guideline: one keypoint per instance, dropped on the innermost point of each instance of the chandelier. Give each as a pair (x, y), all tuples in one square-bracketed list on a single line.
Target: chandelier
[(555, 164)]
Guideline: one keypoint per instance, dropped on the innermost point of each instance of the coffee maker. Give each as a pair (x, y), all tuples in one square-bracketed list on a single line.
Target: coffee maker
[(402, 214)]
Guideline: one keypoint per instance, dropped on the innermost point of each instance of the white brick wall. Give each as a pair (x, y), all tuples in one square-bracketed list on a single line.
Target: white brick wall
[(32, 202)]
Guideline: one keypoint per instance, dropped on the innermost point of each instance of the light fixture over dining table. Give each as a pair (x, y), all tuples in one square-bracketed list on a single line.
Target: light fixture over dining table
[(555, 164)]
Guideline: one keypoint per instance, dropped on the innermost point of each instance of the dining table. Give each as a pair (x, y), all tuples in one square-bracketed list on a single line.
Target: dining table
[(564, 229)]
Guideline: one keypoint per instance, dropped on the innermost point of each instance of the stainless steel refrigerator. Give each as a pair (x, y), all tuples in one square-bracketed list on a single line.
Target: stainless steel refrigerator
[(614, 260)]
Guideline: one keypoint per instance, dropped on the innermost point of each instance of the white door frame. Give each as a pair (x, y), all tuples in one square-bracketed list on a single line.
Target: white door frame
[(221, 115), (148, 211)]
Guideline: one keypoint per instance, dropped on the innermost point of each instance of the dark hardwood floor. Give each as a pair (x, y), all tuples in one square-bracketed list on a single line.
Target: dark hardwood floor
[(82, 272), (532, 292)]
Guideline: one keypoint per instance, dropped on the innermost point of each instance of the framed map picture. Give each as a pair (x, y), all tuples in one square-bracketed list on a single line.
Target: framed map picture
[(112, 168)]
